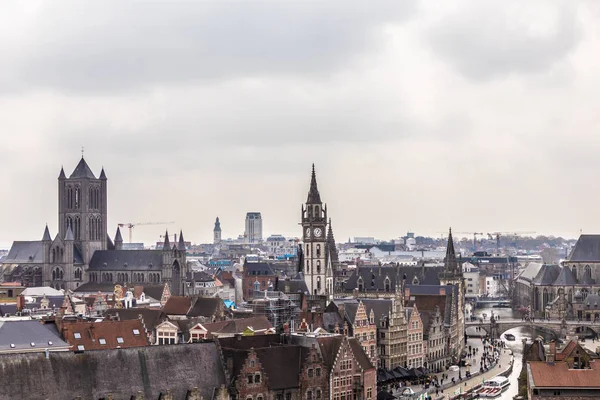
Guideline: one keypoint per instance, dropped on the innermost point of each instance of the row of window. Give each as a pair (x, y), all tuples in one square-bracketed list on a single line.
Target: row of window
[(317, 394), (415, 337), (415, 349), (345, 365), (74, 200)]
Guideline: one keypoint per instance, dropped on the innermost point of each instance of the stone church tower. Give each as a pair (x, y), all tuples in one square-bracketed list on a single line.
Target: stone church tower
[(217, 232), (317, 266), (82, 206)]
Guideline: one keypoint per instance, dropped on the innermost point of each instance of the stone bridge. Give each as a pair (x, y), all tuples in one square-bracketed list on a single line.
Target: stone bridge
[(561, 329)]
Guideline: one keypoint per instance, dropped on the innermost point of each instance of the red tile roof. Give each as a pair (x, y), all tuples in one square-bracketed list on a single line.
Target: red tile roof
[(104, 335), (177, 305), (557, 375)]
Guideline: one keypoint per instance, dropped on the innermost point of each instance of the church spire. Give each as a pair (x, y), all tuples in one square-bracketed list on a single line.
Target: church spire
[(450, 263), (181, 244), (46, 237), (217, 225), (313, 194), (167, 245), (62, 174)]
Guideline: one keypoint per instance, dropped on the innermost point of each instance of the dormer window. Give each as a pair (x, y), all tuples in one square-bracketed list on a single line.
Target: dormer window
[(361, 285), (32, 344), (80, 347), (120, 340), (387, 284), (136, 331), (77, 335), (415, 281), (102, 341)]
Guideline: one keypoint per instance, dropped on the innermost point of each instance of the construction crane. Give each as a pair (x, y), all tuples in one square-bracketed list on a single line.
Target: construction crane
[(475, 234), (131, 225), (497, 235)]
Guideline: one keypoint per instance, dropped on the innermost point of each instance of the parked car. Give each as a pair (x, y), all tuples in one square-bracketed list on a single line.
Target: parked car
[(453, 368), (408, 392)]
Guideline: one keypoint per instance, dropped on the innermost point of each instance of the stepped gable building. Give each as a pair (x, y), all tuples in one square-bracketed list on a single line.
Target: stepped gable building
[(318, 256), (82, 252)]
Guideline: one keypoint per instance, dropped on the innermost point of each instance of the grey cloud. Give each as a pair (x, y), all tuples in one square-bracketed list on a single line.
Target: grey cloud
[(490, 39), (110, 45)]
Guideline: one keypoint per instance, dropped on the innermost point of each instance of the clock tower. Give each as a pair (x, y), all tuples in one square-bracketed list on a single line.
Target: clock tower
[(316, 266)]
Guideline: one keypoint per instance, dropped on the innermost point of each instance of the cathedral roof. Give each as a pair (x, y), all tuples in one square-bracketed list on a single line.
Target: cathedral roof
[(25, 252), (62, 174), (82, 170), (126, 260), (587, 249), (102, 174), (373, 277), (547, 275), (565, 278), (313, 194)]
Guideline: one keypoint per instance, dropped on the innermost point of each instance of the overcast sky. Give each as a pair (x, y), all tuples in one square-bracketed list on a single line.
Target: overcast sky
[(480, 115)]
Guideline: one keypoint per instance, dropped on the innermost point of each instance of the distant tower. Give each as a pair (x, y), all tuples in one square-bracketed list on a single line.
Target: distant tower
[(253, 232), (118, 240), (314, 226), (217, 232), (82, 205)]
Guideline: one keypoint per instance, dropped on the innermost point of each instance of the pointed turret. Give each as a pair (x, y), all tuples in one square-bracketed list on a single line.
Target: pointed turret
[(102, 174), (69, 235), (118, 239), (62, 174), (331, 247), (181, 244), (46, 237), (313, 194), (167, 245), (217, 225)]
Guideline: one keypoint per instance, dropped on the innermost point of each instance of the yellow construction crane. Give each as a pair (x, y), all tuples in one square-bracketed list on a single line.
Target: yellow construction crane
[(497, 235), (131, 225)]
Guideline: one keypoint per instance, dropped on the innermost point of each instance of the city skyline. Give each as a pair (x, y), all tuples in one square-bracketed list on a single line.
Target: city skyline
[(418, 116)]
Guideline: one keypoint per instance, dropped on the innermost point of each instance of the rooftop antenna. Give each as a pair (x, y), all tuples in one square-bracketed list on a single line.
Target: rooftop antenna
[(82, 151)]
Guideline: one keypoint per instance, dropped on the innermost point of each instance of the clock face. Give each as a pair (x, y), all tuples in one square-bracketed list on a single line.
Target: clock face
[(318, 232), (307, 232)]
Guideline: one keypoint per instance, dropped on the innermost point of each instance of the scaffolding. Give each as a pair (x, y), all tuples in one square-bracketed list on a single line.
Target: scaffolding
[(279, 308)]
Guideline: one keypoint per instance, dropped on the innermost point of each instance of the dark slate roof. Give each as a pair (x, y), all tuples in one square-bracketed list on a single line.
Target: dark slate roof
[(46, 236), (25, 252), (258, 269), (565, 277), (587, 249), (23, 333), (374, 277), (205, 307), (295, 285), (154, 291), (95, 287), (592, 300), (381, 308), (151, 316), (586, 279), (132, 260), (428, 289), (199, 276), (331, 319), (547, 275), (82, 170)]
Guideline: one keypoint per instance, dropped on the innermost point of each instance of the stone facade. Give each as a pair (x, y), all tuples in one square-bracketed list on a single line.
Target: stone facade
[(415, 353), (365, 331)]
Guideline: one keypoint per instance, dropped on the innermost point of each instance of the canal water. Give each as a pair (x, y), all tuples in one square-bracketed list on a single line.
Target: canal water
[(516, 346)]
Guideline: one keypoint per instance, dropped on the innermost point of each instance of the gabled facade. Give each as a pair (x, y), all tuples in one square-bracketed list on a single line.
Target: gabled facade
[(415, 356)]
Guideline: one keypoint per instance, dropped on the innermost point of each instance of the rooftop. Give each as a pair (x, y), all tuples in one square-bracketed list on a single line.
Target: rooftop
[(558, 375)]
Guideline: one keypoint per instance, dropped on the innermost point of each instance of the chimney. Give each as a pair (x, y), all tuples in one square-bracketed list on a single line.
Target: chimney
[(551, 355)]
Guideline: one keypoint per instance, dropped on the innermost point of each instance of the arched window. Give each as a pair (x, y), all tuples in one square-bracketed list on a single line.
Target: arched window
[(588, 272), (307, 250), (575, 271), (570, 296), (53, 274), (361, 284), (318, 283), (53, 255), (307, 267), (256, 286), (544, 299), (318, 251), (387, 284), (584, 294), (77, 197), (318, 266)]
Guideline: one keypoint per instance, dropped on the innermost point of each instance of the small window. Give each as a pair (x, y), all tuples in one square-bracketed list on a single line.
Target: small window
[(257, 378), (49, 343), (80, 347), (310, 373), (318, 373), (136, 331), (32, 344), (77, 335), (102, 341), (250, 379), (120, 339), (12, 345)]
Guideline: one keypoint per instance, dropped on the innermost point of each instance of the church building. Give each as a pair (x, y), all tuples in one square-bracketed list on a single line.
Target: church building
[(82, 252)]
